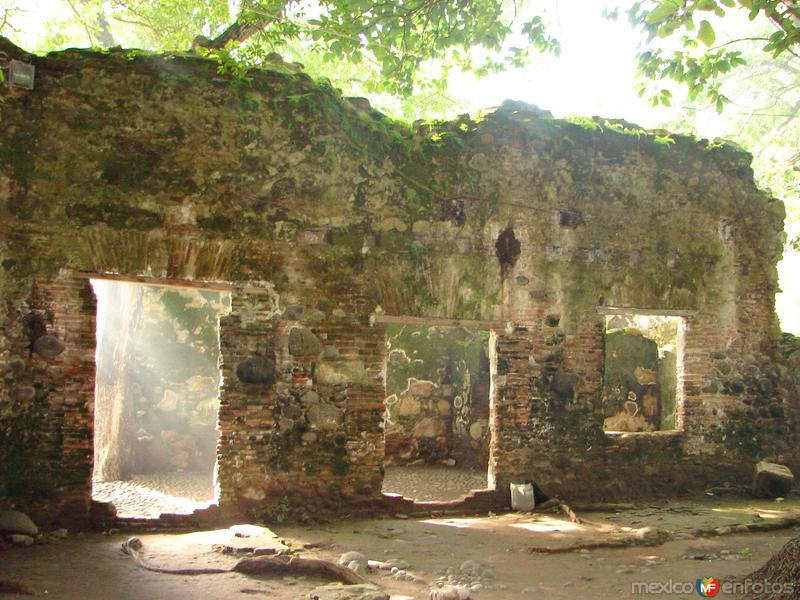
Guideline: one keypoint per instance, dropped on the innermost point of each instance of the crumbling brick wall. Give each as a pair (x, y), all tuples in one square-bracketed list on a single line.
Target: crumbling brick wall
[(320, 214)]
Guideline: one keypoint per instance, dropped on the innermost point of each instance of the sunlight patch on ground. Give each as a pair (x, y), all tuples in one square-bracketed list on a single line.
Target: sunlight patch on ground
[(545, 525), (464, 523)]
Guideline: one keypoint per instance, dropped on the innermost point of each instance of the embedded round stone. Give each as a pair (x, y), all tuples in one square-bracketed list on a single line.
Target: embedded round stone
[(257, 369), (22, 393), (303, 342), (48, 347), (324, 417)]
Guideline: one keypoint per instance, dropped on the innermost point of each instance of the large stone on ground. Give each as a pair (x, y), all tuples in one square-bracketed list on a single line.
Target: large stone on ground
[(48, 347), (257, 369), (449, 592), (335, 591), (324, 417), (303, 342), (14, 521), (771, 480), (21, 540), (352, 556)]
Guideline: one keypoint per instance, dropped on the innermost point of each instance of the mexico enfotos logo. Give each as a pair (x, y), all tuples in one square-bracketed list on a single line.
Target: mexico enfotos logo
[(710, 587)]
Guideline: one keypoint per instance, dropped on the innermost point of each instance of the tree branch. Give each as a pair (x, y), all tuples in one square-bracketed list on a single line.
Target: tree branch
[(236, 32)]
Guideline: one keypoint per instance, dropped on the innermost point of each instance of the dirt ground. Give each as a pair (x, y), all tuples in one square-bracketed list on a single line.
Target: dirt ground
[(89, 566)]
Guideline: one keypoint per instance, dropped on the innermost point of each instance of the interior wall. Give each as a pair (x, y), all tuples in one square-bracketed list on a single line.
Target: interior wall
[(437, 396)]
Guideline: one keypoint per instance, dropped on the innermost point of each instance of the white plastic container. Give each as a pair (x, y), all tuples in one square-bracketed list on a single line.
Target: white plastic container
[(522, 499)]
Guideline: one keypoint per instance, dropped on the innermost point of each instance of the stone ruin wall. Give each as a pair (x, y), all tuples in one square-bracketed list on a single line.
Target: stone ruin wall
[(317, 211)]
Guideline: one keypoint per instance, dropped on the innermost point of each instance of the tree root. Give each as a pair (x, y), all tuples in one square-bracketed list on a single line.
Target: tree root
[(624, 543), (563, 506), (649, 536), (271, 565)]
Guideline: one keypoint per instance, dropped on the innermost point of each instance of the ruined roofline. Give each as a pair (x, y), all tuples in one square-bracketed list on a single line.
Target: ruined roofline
[(521, 113)]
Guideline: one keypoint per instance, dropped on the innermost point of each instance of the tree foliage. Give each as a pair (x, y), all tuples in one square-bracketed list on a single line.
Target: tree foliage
[(697, 61), (396, 39)]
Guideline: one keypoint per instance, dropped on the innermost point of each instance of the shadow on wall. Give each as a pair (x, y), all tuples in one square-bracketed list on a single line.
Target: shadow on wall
[(437, 396), (157, 390)]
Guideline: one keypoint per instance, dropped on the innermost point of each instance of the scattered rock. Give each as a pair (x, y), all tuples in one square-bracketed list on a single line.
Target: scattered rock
[(352, 556), (336, 591), (449, 592), (258, 369), (650, 534), (303, 342), (14, 521), (471, 567), (48, 347), (20, 540), (771, 480), (357, 567)]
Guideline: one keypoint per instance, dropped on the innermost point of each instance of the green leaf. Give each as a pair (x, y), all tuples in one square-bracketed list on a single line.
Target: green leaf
[(706, 4), (662, 12), (706, 33), (728, 3)]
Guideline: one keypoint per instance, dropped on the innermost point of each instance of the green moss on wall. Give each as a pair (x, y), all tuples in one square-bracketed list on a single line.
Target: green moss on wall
[(117, 214)]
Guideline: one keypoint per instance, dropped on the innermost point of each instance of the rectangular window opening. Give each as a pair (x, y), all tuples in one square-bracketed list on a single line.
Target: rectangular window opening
[(643, 373), (437, 418), (156, 406)]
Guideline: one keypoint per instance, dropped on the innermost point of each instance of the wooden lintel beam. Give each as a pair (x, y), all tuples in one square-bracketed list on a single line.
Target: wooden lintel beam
[(650, 312), (161, 281), (438, 322)]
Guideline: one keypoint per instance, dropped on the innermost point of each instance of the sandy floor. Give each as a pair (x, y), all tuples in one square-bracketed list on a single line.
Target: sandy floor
[(148, 495), (91, 566), (432, 482)]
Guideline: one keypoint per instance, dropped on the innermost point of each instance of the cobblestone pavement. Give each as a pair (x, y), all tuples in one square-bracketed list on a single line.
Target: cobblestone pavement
[(433, 482), (148, 495)]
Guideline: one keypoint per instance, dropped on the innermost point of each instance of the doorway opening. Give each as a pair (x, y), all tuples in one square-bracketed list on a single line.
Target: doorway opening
[(156, 397), (436, 419)]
